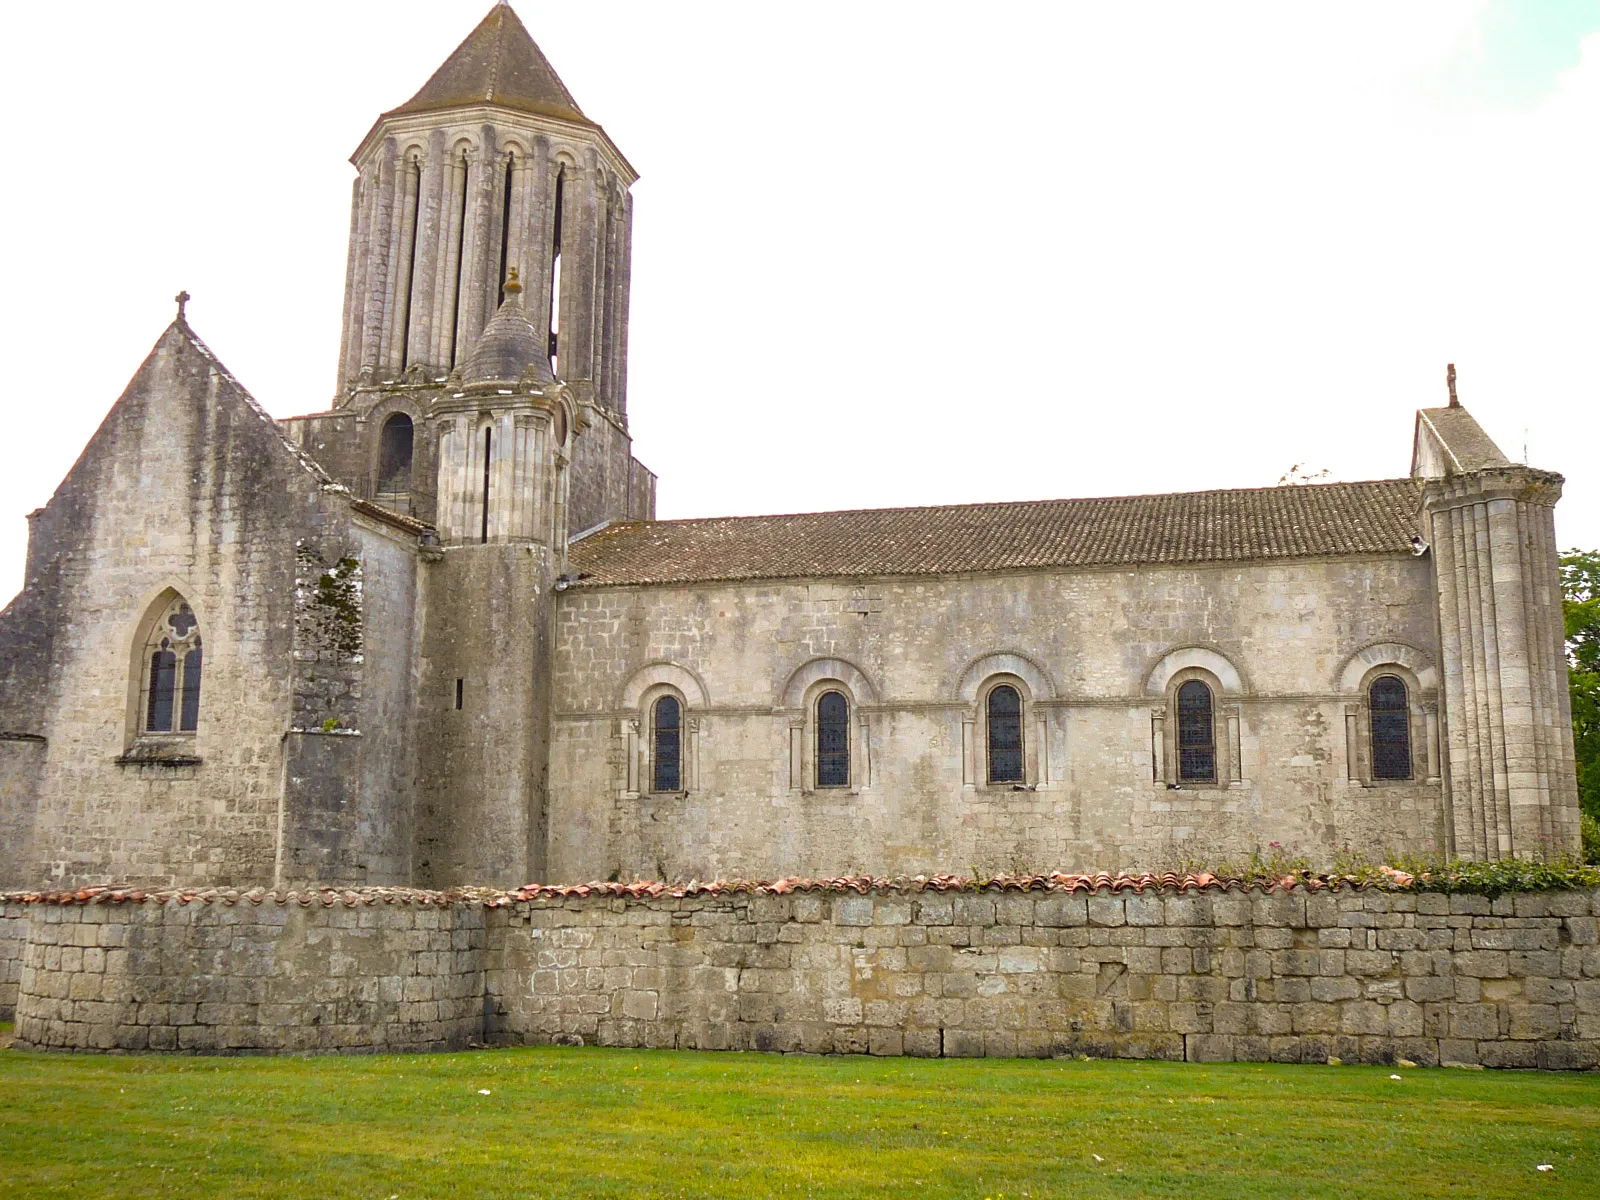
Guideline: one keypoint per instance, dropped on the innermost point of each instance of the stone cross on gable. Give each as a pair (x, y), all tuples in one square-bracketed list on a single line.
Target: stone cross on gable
[(182, 298)]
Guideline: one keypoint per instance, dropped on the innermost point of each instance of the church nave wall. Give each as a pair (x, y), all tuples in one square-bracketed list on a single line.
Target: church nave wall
[(1095, 657)]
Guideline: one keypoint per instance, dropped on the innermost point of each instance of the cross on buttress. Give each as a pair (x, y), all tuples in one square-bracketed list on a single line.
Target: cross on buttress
[(182, 298)]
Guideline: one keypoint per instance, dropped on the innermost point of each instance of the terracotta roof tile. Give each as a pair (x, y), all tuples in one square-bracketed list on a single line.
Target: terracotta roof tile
[(861, 885), (1308, 521)]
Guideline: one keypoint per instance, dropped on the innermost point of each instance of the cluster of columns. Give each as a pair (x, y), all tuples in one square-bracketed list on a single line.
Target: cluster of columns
[(1510, 774), (502, 478), (436, 221)]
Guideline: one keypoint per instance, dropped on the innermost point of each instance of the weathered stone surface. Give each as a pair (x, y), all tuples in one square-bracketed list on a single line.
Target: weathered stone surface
[(820, 972)]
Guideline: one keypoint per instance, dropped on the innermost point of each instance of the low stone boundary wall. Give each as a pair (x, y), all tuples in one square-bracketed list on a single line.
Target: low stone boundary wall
[(1190, 972), (248, 977), (13, 937)]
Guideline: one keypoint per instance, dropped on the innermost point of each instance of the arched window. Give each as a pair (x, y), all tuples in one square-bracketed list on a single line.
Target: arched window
[(1391, 728), (1005, 735), (172, 664), (394, 454), (667, 735), (1197, 747), (833, 740)]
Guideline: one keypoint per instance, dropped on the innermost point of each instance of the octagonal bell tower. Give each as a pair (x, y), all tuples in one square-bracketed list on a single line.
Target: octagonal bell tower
[(492, 167)]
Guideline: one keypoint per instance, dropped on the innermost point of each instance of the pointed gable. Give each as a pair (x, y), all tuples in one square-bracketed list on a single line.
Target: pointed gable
[(499, 63), (1449, 441)]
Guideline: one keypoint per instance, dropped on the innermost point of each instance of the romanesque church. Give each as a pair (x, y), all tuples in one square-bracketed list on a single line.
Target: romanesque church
[(435, 636)]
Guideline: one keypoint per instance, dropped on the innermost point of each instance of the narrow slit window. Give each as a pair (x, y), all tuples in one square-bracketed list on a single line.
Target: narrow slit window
[(414, 218), (488, 445), (1389, 707), (1197, 750), (460, 688), (668, 734), (505, 223), (1005, 735), (833, 740), (461, 254), (555, 269)]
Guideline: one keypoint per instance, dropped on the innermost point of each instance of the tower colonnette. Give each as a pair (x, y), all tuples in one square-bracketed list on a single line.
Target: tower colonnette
[(1511, 779)]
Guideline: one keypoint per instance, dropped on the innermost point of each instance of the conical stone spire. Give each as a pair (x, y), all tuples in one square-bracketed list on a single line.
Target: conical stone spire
[(499, 63), (508, 349)]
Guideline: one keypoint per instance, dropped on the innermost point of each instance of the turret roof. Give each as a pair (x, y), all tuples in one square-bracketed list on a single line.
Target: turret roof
[(508, 346), (499, 63)]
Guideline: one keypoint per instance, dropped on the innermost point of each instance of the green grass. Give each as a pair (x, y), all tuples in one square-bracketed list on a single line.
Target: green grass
[(600, 1123)]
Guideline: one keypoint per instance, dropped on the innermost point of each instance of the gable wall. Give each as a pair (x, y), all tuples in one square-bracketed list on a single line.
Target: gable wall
[(185, 485), (1095, 636)]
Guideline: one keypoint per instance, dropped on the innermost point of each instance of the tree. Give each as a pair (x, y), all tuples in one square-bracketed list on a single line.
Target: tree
[(1580, 585)]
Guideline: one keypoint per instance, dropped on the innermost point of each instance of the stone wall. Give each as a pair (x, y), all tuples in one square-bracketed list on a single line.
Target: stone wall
[(1095, 655), (13, 940), (251, 978), (1186, 972)]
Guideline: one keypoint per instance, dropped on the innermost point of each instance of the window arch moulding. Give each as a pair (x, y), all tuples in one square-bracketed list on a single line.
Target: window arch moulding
[(1378, 654), (1213, 661), (640, 696), (1163, 683), (1416, 673), (1043, 726), (799, 698)]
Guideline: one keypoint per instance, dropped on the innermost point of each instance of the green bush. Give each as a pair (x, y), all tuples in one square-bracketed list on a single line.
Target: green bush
[(1591, 838)]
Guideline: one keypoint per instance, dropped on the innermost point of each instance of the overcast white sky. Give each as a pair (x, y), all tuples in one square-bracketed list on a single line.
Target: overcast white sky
[(885, 253)]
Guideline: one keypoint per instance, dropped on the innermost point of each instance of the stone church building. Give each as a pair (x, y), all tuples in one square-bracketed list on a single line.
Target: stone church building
[(435, 636)]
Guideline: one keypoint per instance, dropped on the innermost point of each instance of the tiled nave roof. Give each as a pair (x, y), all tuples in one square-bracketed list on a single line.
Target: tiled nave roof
[(1307, 521)]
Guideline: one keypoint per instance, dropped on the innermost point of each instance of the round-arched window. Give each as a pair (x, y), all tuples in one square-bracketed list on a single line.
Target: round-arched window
[(667, 741), (1391, 728), (1004, 728), (1197, 746), (833, 740), (394, 454)]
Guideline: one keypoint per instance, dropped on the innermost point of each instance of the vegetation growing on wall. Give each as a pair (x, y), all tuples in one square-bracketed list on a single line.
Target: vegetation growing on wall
[(329, 605), (1580, 580)]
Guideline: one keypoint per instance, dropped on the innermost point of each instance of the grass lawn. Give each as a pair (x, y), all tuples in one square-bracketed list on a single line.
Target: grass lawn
[(592, 1123)]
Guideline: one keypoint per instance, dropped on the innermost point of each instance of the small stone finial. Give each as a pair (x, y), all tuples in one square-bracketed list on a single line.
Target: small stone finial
[(182, 298), (512, 286), (1450, 382)]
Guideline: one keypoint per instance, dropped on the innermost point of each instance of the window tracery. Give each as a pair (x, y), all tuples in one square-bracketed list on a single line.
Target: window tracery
[(173, 661)]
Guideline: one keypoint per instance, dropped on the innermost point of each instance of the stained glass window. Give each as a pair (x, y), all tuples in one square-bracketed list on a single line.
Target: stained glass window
[(1197, 748), (1391, 728), (1005, 735), (833, 740), (172, 666), (668, 733)]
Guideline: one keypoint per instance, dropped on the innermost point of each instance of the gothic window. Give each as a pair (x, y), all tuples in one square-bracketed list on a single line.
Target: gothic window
[(1005, 735), (394, 454), (172, 663), (667, 735), (833, 740), (1391, 728), (1197, 747)]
